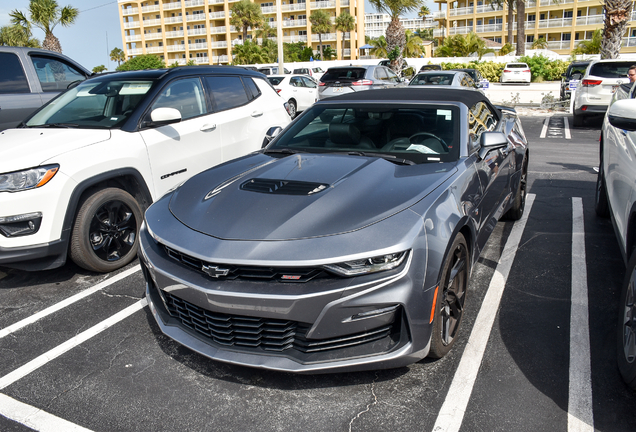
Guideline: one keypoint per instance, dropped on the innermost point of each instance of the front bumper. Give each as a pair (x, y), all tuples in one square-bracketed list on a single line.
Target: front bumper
[(324, 325)]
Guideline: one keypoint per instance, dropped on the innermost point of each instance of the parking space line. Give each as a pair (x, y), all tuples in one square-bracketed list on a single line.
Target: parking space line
[(580, 413), (36, 363), (56, 307), (566, 128), (35, 418), (544, 131), (451, 414)]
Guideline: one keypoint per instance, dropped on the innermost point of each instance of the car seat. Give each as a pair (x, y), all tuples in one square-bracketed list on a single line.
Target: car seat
[(347, 135)]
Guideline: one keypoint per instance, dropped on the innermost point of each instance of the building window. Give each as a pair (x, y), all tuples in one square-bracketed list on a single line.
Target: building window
[(529, 38), (567, 14), (566, 36), (542, 16), (532, 17)]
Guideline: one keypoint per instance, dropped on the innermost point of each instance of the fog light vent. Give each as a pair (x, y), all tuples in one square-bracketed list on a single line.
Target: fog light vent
[(20, 225)]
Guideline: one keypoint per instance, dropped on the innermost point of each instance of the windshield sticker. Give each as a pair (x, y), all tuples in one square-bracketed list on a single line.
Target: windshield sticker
[(448, 114), (134, 88), (421, 148)]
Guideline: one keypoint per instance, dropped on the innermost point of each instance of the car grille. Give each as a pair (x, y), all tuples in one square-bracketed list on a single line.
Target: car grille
[(283, 187), (264, 334), (231, 272)]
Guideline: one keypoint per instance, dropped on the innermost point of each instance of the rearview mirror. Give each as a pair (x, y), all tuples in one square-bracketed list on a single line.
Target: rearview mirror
[(622, 114), (162, 117), (270, 135), (492, 141)]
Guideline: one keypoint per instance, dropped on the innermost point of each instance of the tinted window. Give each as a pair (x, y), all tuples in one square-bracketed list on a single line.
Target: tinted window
[(432, 79), (517, 66), (480, 120), (611, 69), (228, 92), (252, 87), (54, 74), (353, 74), (275, 80), (392, 76), (12, 77), (309, 83), (380, 73), (296, 82), (185, 95)]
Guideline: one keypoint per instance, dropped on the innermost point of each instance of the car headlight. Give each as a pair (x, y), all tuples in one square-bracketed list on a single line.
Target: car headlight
[(368, 265), (27, 179)]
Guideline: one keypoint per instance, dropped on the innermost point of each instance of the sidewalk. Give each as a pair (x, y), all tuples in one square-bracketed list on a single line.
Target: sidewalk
[(522, 95)]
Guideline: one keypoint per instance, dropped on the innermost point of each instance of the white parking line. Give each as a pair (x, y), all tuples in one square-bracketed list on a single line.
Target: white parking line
[(580, 414), (452, 412), (566, 128), (35, 418), (544, 131), (56, 307), (36, 363)]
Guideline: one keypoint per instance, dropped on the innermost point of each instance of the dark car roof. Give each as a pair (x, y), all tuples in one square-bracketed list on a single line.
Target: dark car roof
[(184, 71), (468, 97)]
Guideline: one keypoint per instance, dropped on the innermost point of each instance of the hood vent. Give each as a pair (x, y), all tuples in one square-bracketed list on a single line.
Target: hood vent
[(283, 187)]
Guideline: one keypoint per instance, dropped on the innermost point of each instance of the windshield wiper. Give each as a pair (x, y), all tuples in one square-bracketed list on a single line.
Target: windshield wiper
[(389, 157), (58, 125), (283, 151)]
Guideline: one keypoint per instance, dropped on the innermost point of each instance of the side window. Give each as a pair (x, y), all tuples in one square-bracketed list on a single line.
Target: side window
[(12, 76), (480, 120), (309, 83), (252, 88), (469, 82), (296, 82), (55, 74), (380, 73), (392, 76), (227, 92), (185, 95)]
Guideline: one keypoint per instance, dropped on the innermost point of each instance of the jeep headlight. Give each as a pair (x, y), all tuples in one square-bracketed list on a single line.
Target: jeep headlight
[(27, 179), (368, 265)]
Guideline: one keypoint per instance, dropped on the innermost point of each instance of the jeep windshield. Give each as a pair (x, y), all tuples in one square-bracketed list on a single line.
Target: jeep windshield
[(101, 104)]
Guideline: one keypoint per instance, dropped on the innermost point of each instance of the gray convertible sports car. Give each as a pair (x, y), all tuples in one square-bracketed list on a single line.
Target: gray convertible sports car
[(347, 242)]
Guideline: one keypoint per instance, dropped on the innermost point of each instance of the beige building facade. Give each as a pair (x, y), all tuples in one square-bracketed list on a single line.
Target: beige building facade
[(562, 23), (200, 30)]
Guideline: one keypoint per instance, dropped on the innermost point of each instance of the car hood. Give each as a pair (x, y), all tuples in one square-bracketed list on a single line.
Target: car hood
[(30, 147), (301, 196)]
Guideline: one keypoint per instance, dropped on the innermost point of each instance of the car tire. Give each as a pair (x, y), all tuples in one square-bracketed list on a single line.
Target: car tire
[(293, 109), (577, 120), (450, 298), (519, 203), (601, 205), (626, 331), (97, 244)]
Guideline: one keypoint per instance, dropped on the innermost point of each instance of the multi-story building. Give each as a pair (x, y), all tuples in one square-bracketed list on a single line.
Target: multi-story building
[(200, 30), (562, 23), (375, 24)]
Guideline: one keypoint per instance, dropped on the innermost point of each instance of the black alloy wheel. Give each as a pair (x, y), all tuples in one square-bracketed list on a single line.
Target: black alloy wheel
[(519, 203), (451, 298), (106, 230), (293, 112), (601, 205), (626, 335)]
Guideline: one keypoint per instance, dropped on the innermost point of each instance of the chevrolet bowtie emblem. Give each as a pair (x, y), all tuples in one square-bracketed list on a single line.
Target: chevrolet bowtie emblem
[(215, 271)]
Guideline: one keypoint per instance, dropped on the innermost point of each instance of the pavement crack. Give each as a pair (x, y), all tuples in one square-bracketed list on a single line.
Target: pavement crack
[(119, 295), (368, 408)]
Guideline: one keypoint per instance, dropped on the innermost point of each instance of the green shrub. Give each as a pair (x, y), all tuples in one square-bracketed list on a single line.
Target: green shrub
[(548, 70)]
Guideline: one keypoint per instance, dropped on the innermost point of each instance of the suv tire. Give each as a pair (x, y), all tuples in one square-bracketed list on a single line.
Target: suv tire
[(106, 229)]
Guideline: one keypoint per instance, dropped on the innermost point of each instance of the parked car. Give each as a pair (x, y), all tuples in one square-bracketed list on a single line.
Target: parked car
[(516, 73), (598, 84), (340, 80), (271, 70), (476, 76), (315, 72), (387, 63), (444, 78), (616, 198), (30, 77), (431, 67), (77, 175), (300, 91), (345, 244), (575, 71)]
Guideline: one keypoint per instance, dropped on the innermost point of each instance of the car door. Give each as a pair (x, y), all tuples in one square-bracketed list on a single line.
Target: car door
[(310, 92), (179, 150), (17, 100), (299, 92), (54, 74), (493, 170)]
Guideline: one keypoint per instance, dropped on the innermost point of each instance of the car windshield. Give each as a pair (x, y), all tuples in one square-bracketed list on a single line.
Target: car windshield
[(275, 80), (352, 74), (432, 79), (101, 104), (616, 69), (402, 134), (516, 66)]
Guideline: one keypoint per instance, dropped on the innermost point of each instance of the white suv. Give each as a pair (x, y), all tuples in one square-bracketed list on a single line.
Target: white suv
[(600, 81), (76, 176)]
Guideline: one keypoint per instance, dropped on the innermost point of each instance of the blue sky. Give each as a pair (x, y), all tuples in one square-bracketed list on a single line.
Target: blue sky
[(96, 31)]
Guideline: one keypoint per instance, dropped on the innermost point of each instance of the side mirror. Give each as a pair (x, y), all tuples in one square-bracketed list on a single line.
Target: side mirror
[(270, 135), (576, 76), (164, 116), (492, 141), (622, 114)]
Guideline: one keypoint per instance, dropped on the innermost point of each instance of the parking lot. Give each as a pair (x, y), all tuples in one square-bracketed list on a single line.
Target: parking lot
[(81, 351)]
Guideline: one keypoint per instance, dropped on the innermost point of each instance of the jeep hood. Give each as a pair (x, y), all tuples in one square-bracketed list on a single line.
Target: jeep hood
[(30, 147)]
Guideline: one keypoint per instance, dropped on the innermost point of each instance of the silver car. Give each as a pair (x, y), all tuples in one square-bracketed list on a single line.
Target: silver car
[(444, 78), (347, 243), (348, 79)]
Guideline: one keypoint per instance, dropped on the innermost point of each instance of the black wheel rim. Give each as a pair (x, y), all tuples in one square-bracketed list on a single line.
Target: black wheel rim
[(454, 294), (292, 109), (113, 231), (629, 320), (599, 185), (522, 185)]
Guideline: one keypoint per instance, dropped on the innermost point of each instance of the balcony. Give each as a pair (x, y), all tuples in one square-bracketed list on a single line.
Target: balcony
[(591, 19), (131, 24), (217, 15), (460, 30), (344, 3), (153, 8), (439, 32), (219, 59), (198, 46), (173, 20), (134, 51), (554, 2), (295, 23), (530, 25), (190, 3), (152, 22), (325, 37), (202, 60), (219, 44), (133, 38), (176, 47), (290, 7), (295, 38), (485, 28), (323, 4), (555, 22), (215, 1), (347, 52), (629, 42), (196, 17), (488, 8), (130, 11), (559, 45), (196, 32), (439, 15), (461, 11), (271, 9), (216, 30), (173, 5), (154, 50), (174, 34), (153, 36)]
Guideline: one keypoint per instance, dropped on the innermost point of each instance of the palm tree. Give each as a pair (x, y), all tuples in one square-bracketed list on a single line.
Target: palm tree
[(265, 32), (17, 36), (45, 15), (249, 53), (592, 46), (379, 47), (521, 27), (413, 45), (320, 23), (617, 16), (423, 12), (463, 46), (540, 43), (344, 23), (246, 14), (99, 69), (511, 8), (395, 36), (117, 55)]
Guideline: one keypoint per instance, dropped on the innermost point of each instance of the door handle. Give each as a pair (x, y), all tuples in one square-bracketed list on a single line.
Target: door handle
[(257, 113), (208, 128)]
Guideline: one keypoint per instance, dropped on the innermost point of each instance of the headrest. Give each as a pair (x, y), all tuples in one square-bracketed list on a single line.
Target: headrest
[(344, 133)]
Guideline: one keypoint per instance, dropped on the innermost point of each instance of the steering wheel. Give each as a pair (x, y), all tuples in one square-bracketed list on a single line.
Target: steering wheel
[(415, 139)]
